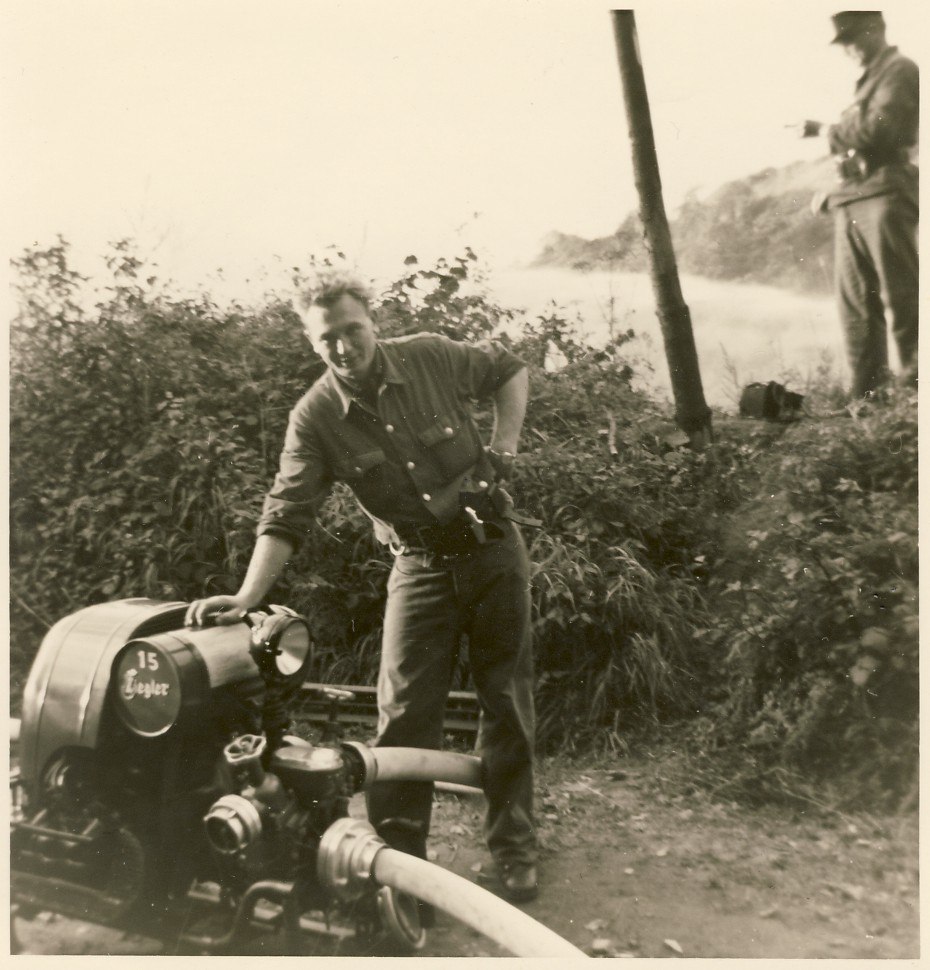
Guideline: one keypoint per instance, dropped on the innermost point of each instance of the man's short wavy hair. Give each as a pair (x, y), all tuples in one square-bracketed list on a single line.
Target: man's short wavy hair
[(332, 290)]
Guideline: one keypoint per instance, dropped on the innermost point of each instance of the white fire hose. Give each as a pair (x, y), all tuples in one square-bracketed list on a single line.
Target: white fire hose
[(470, 904), (467, 902), (417, 764), (352, 857)]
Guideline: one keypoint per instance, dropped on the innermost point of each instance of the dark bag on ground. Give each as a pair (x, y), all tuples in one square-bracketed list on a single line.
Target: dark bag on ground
[(772, 402)]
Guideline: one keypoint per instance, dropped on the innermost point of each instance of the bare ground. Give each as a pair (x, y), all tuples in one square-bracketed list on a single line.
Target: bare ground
[(636, 864)]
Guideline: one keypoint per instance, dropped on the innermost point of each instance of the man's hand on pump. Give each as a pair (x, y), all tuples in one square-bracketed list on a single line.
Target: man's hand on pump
[(220, 610)]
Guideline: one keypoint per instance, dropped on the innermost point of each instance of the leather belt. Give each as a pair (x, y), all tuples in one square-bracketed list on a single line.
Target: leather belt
[(466, 533)]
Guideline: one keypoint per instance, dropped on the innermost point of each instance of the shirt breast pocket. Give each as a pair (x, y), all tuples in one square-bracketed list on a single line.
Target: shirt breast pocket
[(356, 467), (452, 443)]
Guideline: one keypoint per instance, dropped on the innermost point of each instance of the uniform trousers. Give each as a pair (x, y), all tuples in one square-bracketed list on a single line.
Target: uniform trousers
[(432, 601), (876, 282)]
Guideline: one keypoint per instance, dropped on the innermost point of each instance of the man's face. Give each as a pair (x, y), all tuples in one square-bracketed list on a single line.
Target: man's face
[(344, 336), (863, 48)]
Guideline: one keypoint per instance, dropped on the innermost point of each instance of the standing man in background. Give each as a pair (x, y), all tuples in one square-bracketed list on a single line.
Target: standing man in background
[(875, 206), (391, 418)]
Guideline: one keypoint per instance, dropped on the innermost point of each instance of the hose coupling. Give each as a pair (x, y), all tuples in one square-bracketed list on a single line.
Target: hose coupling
[(232, 824), (363, 768), (346, 857)]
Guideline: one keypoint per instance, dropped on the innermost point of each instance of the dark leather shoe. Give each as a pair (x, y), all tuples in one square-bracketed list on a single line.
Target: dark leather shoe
[(519, 882)]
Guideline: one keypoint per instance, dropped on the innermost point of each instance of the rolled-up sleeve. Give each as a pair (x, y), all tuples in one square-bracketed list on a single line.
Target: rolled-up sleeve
[(301, 485), (480, 369)]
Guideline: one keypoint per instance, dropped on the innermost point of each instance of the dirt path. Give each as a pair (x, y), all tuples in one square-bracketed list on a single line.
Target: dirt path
[(630, 868)]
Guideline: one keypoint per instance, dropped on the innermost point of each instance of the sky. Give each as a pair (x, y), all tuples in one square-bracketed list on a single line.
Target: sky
[(238, 134)]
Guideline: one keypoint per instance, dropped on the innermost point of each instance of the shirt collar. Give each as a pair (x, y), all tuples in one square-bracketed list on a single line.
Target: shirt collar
[(390, 374), (873, 65)]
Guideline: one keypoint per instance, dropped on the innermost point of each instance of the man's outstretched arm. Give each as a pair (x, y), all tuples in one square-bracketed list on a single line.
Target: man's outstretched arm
[(269, 556)]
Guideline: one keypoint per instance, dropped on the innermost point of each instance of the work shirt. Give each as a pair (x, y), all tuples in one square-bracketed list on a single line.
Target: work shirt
[(407, 455), (880, 126)]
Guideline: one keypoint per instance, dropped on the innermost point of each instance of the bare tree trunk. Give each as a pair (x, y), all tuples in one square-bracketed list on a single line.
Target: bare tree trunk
[(691, 412)]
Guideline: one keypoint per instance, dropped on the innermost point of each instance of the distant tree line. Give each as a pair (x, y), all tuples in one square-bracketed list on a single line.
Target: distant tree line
[(758, 229)]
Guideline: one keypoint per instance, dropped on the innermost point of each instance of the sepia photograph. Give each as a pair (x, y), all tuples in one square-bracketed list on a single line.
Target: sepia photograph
[(463, 478)]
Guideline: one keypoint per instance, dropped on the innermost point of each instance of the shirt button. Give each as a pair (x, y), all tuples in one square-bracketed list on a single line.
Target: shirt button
[(426, 496), (411, 465), (389, 428), (448, 432)]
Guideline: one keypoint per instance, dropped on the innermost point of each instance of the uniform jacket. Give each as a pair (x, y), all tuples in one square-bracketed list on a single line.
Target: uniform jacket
[(408, 457), (880, 127)]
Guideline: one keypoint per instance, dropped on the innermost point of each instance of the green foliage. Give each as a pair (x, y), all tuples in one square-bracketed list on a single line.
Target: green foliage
[(143, 432), (768, 582), (443, 299), (611, 639), (818, 594), (146, 430)]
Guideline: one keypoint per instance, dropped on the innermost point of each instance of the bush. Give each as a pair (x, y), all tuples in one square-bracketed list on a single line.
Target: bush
[(142, 435), (818, 595), (145, 432), (768, 582)]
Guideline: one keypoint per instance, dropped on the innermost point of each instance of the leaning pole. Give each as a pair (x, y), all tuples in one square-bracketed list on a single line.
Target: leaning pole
[(691, 411)]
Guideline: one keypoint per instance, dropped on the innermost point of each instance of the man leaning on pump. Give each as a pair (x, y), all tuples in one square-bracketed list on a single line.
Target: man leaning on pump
[(392, 418)]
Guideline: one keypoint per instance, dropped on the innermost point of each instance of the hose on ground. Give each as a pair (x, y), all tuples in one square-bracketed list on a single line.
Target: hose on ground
[(476, 907)]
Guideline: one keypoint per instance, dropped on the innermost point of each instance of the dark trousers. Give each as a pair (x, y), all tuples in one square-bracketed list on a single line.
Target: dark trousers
[(431, 603), (876, 282)]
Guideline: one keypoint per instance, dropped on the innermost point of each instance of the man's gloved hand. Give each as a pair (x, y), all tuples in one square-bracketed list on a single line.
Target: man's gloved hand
[(806, 128)]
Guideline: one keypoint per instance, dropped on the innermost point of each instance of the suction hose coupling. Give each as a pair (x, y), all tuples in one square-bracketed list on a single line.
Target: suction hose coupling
[(360, 763), (369, 765)]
